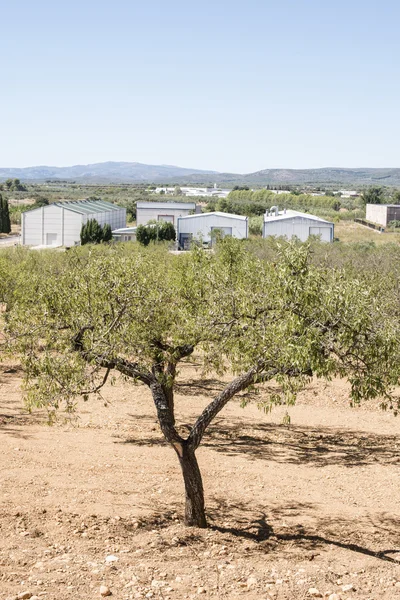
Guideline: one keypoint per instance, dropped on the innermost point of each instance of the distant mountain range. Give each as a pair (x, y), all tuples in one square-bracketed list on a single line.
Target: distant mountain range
[(133, 172)]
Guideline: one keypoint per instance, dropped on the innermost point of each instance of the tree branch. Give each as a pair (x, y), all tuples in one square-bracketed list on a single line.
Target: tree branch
[(208, 414)]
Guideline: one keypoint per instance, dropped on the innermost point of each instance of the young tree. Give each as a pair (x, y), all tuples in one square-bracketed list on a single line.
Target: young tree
[(5, 223), (107, 233), (165, 231), (92, 233), (142, 312), (144, 235)]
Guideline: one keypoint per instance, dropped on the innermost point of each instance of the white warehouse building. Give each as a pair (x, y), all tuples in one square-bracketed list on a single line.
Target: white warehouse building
[(201, 227), (163, 211), (60, 224), (291, 223)]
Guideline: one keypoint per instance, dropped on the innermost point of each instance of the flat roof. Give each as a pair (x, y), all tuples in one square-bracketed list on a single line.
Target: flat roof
[(387, 205), (125, 230), (83, 207), (290, 214), (215, 214), (186, 205)]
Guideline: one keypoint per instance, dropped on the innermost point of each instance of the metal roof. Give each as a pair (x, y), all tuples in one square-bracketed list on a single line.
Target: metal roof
[(88, 207), (166, 205), (386, 205), (291, 214), (123, 230), (215, 214)]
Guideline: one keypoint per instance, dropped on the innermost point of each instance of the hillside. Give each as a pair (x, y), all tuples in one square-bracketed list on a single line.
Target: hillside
[(134, 172), (326, 176), (109, 171)]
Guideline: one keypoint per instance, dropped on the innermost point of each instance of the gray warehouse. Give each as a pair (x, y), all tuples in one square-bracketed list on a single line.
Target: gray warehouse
[(201, 227), (163, 211), (60, 224), (291, 223)]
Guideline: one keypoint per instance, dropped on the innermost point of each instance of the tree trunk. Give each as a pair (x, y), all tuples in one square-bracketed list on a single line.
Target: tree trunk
[(194, 506)]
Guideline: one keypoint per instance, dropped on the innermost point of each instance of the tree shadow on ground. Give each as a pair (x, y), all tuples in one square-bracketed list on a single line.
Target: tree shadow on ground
[(376, 535), (295, 528), (317, 446), (294, 444)]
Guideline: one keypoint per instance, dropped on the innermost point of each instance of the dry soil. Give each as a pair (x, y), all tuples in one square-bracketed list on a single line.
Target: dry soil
[(300, 511)]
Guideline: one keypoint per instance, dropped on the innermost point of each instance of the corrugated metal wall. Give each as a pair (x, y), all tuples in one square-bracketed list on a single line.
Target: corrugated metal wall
[(300, 227), (201, 226), (57, 226)]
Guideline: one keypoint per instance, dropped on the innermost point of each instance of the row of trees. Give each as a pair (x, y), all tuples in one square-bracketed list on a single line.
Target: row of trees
[(13, 185), (93, 233), (255, 203), (380, 195), (80, 316)]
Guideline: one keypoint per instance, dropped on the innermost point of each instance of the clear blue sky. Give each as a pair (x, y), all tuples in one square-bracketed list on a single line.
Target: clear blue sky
[(224, 84)]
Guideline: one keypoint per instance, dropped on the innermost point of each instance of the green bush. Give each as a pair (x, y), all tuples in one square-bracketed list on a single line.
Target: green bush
[(155, 232), (5, 223), (255, 225), (93, 233)]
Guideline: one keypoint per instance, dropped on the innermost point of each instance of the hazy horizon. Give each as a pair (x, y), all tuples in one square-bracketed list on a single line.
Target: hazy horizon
[(195, 168)]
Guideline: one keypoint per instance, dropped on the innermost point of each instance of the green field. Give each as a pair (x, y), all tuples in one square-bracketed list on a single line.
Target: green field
[(348, 231)]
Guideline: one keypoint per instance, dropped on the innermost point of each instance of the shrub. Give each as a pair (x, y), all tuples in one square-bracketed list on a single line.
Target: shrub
[(155, 232), (93, 233)]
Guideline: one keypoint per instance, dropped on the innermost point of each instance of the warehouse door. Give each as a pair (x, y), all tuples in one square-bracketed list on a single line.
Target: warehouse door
[(51, 239), (219, 232), (323, 232), (184, 240)]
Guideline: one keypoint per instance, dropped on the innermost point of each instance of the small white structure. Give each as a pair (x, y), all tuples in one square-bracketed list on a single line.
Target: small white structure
[(382, 214), (207, 192), (125, 234), (290, 223), (162, 211), (60, 224), (348, 193), (205, 226)]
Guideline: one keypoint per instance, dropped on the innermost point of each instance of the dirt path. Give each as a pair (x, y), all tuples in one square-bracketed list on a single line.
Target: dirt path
[(312, 505)]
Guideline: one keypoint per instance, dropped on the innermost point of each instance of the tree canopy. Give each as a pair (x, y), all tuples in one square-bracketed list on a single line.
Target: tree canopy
[(160, 231), (373, 195), (142, 311), (93, 233), (14, 185)]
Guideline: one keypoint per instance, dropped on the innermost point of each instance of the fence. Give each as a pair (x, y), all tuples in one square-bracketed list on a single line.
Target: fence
[(378, 228)]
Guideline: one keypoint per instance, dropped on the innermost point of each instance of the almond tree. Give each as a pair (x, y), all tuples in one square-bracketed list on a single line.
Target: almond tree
[(141, 312)]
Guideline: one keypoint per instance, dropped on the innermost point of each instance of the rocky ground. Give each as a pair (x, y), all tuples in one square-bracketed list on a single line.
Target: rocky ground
[(93, 508)]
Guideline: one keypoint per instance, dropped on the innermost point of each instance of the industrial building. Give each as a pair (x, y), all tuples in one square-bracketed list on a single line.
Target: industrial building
[(163, 211), (203, 227), (60, 224), (382, 214), (124, 234), (291, 223)]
